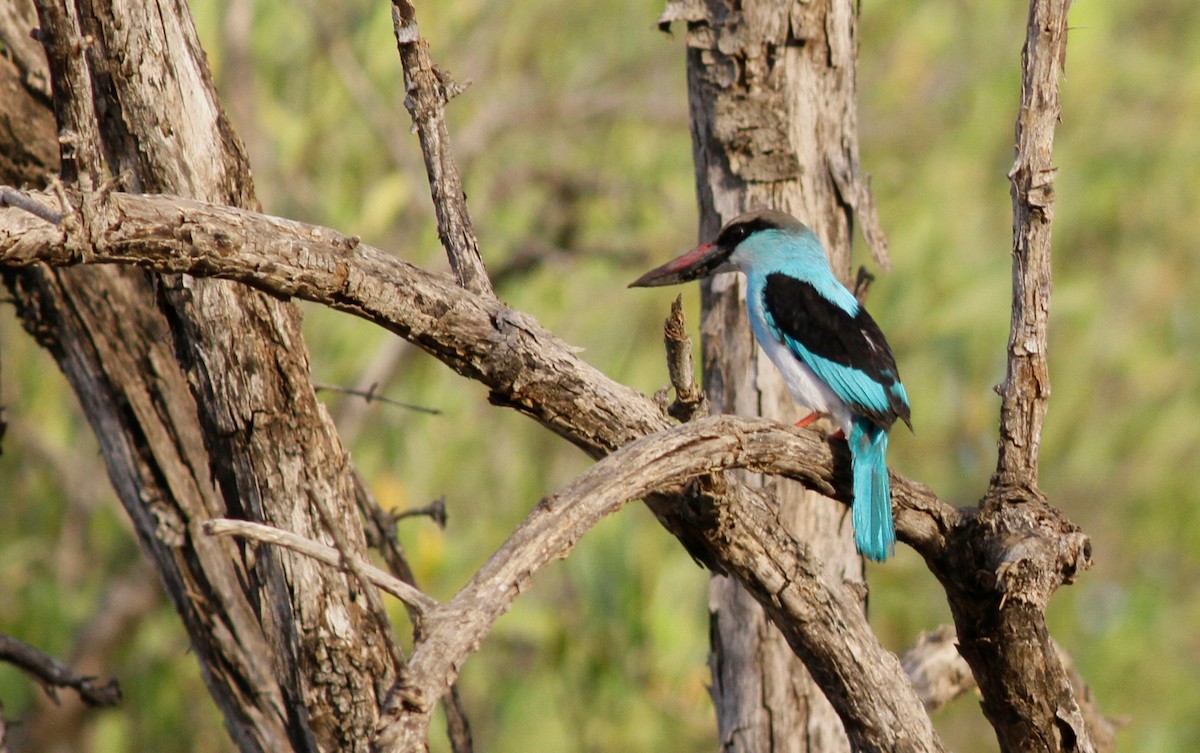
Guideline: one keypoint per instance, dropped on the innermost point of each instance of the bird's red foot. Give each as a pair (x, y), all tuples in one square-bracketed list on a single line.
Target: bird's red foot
[(804, 422)]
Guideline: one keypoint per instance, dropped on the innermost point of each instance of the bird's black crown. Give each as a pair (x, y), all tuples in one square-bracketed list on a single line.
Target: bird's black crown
[(744, 225)]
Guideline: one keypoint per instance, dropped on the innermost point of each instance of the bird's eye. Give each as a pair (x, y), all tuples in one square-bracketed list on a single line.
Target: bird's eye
[(735, 235)]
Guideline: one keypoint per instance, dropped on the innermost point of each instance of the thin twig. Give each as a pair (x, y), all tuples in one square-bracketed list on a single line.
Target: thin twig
[(11, 197), (371, 396), (435, 511), (412, 597), (428, 90), (380, 529), (54, 674)]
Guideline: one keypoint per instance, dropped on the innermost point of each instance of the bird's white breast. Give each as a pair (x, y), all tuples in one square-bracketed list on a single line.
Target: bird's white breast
[(806, 388)]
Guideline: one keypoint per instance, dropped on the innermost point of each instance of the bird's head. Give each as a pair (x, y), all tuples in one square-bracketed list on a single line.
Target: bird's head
[(760, 238)]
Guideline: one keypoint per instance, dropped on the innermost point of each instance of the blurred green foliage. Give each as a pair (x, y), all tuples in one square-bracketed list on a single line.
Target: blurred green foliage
[(574, 145)]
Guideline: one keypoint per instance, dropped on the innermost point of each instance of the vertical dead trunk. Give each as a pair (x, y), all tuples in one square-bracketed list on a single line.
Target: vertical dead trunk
[(772, 93), (198, 389)]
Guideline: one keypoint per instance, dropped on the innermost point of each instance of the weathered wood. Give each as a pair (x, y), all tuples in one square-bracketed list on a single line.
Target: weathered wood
[(530, 369), (238, 406), (999, 565), (772, 93), (428, 89), (824, 623), (1032, 548), (1026, 387)]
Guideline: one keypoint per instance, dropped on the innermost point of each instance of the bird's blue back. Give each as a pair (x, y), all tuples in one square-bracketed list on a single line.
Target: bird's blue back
[(829, 333)]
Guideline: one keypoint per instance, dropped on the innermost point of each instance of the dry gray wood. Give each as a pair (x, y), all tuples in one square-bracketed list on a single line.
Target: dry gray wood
[(428, 89), (1031, 548), (857, 666), (690, 401), (290, 258), (1026, 386), (774, 124), (998, 571), (328, 555), (476, 335), (258, 430)]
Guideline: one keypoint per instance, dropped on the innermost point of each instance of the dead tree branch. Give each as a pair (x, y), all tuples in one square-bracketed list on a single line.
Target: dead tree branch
[(834, 631), (528, 368), (410, 596), (1026, 386), (1027, 549), (690, 400), (427, 90), (52, 673)]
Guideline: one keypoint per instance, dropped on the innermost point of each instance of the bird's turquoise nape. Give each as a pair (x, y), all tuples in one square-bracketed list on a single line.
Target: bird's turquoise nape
[(830, 351)]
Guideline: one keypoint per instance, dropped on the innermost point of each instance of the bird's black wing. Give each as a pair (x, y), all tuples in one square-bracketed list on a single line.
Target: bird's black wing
[(847, 351)]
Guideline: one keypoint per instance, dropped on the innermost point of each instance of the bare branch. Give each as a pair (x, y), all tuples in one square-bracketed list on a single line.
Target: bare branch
[(66, 49), (435, 511), (54, 674), (380, 529), (1026, 386), (428, 90), (10, 197), (475, 335), (1032, 549), (529, 369), (689, 398), (526, 367), (410, 596), (858, 667), (371, 396), (356, 568)]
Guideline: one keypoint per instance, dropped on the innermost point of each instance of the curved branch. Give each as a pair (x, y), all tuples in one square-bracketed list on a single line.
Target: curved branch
[(54, 674), (825, 626), (410, 596), (526, 367), (983, 567)]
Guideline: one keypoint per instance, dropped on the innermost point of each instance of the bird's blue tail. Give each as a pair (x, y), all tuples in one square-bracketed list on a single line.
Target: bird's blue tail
[(872, 510)]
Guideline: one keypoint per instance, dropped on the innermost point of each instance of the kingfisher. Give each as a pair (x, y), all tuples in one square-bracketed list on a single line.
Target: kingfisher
[(830, 351)]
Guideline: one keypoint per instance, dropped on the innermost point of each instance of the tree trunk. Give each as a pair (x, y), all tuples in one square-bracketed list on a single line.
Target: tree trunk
[(772, 93), (198, 391)]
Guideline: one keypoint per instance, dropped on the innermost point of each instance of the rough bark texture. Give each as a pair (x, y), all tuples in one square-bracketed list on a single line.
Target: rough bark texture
[(429, 89), (199, 410), (122, 340), (1030, 548), (726, 525), (773, 111)]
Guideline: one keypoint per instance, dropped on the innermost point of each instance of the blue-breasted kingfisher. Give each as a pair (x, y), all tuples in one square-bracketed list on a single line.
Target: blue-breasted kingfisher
[(833, 356)]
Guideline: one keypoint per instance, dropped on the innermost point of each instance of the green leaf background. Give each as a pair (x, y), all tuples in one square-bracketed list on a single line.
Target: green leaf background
[(574, 145)]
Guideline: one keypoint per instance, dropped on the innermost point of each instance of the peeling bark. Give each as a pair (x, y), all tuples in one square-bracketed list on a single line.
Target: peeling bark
[(198, 409), (773, 111), (196, 389)]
